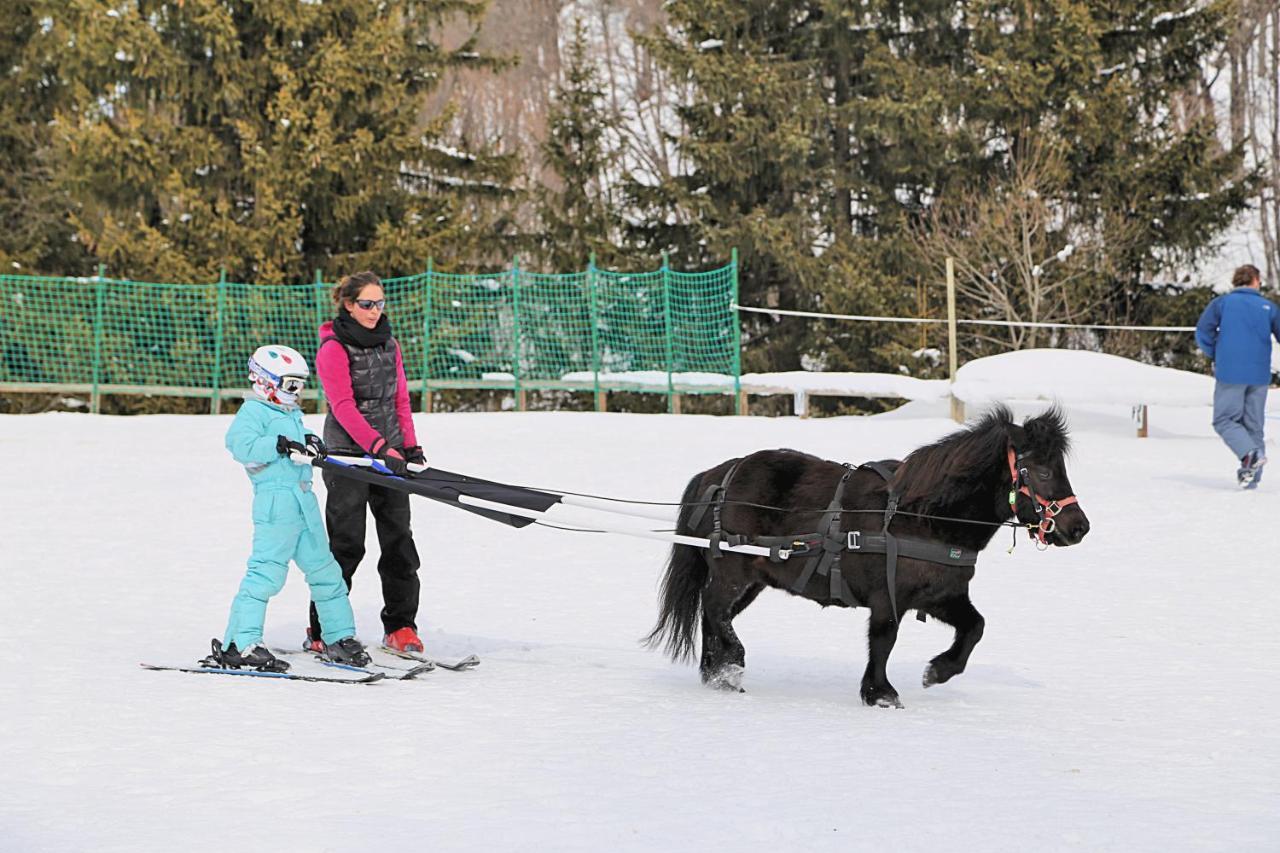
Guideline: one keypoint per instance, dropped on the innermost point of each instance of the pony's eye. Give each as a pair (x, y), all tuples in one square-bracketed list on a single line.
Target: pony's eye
[(1044, 474)]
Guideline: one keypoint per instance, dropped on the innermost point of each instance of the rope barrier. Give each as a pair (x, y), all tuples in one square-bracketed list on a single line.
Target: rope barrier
[(926, 321)]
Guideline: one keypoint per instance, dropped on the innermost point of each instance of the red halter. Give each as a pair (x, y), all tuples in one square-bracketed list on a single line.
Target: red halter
[(1045, 509)]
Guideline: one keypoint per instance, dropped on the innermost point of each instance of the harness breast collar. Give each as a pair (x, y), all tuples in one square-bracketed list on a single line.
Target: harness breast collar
[(825, 547)]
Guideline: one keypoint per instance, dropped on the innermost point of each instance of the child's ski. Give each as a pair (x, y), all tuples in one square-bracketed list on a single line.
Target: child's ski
[(369, 678), (393, 673)]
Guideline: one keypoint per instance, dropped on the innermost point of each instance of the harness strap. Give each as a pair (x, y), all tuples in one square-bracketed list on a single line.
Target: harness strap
[(827, 561), (714, 497), (890, 541)]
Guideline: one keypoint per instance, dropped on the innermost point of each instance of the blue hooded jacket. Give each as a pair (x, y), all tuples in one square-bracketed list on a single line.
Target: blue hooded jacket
[(281, 487), (1235, 331)]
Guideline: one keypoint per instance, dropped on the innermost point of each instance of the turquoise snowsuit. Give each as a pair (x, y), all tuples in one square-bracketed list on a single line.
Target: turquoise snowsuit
[(287, 524)]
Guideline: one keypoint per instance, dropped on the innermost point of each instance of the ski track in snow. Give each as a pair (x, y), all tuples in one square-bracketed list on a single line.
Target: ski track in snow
[(1124, 696)]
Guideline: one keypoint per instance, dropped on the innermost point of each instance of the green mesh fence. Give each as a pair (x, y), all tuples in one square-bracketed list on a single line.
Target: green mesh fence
[(653, 332)]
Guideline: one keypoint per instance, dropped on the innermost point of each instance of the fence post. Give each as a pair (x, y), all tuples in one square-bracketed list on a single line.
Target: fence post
[(672, 405), (95, 396), (601, 403), (426, 341), (515, 305), (1140, 419), (322, 405), (739, 399), (957, 406), (215, 406)]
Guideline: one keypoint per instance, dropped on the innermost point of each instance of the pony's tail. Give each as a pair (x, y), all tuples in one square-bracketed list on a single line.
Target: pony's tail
[(681, 596)]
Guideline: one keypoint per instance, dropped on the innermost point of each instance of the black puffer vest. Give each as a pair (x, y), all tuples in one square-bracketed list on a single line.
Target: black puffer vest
[(374, 380)]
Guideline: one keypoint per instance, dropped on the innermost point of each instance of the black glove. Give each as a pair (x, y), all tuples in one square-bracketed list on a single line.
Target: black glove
[(285, 446), (395, 464), (413, 455), (316, 447)]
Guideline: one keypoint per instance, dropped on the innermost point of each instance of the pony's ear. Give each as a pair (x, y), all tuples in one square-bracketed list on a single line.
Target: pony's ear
[(1017, 437)]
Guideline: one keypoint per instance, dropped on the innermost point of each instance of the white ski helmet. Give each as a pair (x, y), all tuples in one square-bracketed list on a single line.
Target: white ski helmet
[(278, 374)]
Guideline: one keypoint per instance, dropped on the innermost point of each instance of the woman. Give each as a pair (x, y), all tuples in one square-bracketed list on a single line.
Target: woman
[(362, 373)]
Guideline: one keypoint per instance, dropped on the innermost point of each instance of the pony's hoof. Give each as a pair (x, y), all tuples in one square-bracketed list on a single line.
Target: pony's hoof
[(937, 674), (882, 700), (727, 678)]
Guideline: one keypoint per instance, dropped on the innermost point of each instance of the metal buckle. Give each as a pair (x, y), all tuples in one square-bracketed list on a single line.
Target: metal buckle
[(854, 542)]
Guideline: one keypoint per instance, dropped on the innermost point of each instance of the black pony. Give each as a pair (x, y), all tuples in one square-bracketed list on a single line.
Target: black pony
[(952, 496)]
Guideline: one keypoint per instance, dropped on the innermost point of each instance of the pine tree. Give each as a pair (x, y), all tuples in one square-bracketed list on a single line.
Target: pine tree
[(820, 132), (271, 139), (577, 218), (35, 235)]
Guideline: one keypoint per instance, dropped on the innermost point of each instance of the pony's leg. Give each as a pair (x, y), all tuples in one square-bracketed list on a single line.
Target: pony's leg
[(882, 633), (727, 595), (968, 622)]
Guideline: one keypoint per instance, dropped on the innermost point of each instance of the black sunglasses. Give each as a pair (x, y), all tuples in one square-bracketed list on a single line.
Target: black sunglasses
[(368, 304)]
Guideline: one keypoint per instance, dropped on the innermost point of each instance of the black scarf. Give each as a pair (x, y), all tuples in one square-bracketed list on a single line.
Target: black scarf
[(347, 330)]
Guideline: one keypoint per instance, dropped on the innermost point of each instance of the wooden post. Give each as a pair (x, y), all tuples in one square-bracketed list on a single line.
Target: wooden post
[(602, 400), (675, 404), (743, 407), (1140, 418), (957, 406), (427, 401)]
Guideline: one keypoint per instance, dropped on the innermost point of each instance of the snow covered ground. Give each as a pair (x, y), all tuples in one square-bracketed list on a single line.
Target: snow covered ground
[(1124, 697)]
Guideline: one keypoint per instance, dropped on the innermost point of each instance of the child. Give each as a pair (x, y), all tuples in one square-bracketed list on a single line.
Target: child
[(286, 519)]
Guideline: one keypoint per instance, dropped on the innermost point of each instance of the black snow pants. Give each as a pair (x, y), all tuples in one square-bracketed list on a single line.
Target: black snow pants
[(345, 517)]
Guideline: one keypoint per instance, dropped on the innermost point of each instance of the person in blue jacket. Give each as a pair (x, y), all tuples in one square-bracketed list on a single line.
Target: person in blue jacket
[(287, 523), (1235, 331)]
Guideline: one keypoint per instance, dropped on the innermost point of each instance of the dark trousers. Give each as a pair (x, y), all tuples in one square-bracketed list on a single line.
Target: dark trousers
[(345, 517)]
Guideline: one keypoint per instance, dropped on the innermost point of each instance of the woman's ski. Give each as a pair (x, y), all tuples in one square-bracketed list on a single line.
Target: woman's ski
[(469, 662)]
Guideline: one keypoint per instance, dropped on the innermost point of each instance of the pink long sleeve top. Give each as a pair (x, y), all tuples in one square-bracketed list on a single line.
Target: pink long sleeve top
[(334, 369)]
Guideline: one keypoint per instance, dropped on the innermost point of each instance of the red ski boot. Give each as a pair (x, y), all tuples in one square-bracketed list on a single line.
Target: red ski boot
[(313, 644), (403, 640)]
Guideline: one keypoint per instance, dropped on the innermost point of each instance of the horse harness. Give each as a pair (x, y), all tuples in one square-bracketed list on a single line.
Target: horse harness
[(1046, 509), (825, 547)]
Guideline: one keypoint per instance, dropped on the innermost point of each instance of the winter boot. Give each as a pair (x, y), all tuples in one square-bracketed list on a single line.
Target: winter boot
[(313, 644), (348, 650), (404, 640), (1250, 471)]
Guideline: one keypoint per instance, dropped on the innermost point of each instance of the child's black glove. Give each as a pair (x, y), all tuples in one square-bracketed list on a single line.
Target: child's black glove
[(413, 455), (285, 446), (316, 447)]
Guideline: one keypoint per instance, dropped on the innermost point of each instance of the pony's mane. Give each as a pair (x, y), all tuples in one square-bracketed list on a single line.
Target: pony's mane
[(947, 470), (1046, 435), (941, 472)]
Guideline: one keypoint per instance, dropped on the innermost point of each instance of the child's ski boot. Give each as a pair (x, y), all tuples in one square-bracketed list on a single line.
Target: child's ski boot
[(256, 657), (349, 651)]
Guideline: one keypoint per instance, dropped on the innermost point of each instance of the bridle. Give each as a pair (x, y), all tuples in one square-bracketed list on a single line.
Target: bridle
[(1046, 509)]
